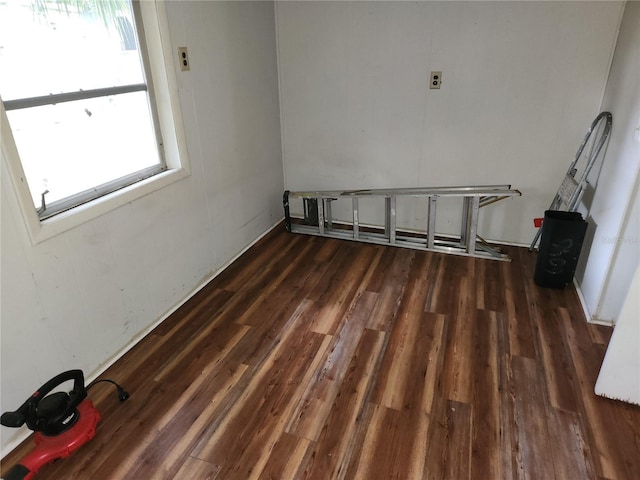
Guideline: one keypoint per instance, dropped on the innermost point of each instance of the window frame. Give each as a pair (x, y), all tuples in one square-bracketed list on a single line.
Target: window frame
[(161, 81)]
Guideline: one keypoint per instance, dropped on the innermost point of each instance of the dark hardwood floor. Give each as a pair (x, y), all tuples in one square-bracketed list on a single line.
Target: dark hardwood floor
[(322, 359)]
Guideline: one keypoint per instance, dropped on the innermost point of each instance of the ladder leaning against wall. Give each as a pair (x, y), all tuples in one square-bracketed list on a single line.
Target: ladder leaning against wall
[(575, 181), (318, 219)]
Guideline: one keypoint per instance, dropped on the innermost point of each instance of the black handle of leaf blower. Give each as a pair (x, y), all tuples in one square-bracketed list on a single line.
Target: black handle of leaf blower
[(27, 411)]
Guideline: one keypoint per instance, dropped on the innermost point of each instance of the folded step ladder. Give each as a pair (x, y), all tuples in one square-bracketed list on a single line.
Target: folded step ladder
[(571, 189), (319, 220)]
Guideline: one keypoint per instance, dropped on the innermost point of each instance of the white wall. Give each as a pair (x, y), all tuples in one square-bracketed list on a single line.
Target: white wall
[(619, 376), (612, 250), (76, 300), (521, 83)]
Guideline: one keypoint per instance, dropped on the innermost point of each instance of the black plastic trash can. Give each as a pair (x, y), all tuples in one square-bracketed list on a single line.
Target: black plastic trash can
[(562, 237)]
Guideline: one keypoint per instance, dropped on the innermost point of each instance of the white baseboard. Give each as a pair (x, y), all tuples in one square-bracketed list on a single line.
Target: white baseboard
[(590, 318)]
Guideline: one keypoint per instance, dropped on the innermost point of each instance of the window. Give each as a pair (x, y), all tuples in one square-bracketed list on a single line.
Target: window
[(78, 94)]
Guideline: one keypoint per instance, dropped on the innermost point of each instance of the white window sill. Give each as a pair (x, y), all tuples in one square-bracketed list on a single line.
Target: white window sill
[(40, 231)]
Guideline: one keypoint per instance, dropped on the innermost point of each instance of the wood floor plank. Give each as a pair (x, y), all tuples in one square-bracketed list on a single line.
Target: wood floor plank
[(558, 366), (189, 413), (493, 283), (265, 280), (391, 444), (304, 270), (161, 453), (384, 268), (449, 445), (458, 361), (196, 468), (342, 260), (557, 363), (243, 441), (571, 455), (207, 299), (409, 363), (401, 438), (311, 412), (207, 349), (289, 455), (599, 333), (392, 292), (395, 375), (534, 456), (319, 358), (269, 312), (486, 458), (521, 333), (480, 275), (332, 306), (436, 283), (267, 322), (330, 455), (508, 442), (327, 249), (444, 287), (267, 256), (429, 348)]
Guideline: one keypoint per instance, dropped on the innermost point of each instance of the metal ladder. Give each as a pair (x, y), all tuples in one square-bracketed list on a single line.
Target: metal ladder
[(318, 218), (571, 190)]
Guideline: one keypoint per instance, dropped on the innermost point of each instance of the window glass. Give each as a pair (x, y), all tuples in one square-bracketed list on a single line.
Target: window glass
[(61, 46), (69, 145), (98, 143)]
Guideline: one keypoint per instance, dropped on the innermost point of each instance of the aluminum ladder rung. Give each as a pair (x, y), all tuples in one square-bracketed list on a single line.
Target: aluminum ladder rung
[(469, 243)]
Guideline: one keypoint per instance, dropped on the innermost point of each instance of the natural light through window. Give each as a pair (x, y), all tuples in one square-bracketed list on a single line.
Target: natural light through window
[(74, 87)]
